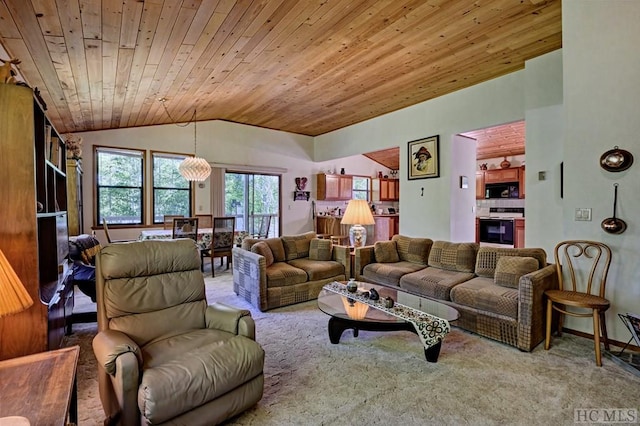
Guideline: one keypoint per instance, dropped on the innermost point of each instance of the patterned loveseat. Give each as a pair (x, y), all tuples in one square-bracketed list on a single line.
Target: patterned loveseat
[(499, 292), (281, 271)]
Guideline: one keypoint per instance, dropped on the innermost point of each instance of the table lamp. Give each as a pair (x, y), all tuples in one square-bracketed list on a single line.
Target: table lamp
[(13, 296), (358, 213)]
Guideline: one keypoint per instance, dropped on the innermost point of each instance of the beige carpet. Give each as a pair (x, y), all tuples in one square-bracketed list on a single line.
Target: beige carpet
[(383, 378)]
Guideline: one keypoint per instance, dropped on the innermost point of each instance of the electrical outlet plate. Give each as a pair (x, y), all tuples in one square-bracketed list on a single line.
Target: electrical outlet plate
[(583, 214)]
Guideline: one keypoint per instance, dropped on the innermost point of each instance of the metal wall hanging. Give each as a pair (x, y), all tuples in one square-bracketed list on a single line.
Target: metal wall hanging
[(614, 225), (616, 160)]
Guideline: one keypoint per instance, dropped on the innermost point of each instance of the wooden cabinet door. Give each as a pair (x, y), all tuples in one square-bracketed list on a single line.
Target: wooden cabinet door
[(480, 185), (384, 190), (519, 237), (383, 229), (521, 181), (345, 190), (502, 175)]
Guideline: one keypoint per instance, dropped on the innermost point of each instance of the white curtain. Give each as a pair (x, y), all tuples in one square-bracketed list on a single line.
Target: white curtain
[(217, 191)]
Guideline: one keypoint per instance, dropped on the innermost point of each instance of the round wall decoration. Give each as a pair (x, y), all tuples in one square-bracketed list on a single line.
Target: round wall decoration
[(616, 160)]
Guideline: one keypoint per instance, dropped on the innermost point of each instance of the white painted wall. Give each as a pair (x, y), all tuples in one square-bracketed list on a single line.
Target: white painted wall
[(601, 65), (463, 200)]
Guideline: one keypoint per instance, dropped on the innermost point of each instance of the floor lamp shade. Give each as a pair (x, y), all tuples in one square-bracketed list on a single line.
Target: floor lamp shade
[(13, 296), (358, 213)]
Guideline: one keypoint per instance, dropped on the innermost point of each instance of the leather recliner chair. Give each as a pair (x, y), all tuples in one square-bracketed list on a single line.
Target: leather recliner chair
[(165, 356)]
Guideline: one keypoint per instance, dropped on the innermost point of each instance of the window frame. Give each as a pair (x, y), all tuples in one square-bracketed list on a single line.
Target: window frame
[(191, 189), (96, 166), (367, 191)]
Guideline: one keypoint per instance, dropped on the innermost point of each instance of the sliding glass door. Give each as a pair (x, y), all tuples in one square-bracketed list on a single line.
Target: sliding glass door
[(253, 198)]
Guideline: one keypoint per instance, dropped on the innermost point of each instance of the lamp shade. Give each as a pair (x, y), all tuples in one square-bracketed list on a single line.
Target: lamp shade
[(13, 296), (194, 169), (358, 213)]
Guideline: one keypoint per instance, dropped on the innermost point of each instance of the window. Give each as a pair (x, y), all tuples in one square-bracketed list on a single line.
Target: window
[(361, 188), (172, 194), (253, 199), (120, 188)]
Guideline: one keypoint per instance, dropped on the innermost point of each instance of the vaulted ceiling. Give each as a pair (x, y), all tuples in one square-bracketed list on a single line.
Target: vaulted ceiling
[(304, 66)]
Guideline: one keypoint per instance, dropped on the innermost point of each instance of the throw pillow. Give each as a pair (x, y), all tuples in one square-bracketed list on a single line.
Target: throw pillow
[(320, 249), (509, 269), (263, 249), (386, 252)]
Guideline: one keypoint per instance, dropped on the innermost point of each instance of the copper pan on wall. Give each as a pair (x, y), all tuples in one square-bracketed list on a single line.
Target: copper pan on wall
[(616, 160), (614, 225)]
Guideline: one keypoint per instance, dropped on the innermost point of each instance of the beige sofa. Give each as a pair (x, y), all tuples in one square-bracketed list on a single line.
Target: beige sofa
[(499, 292), (290, 269)]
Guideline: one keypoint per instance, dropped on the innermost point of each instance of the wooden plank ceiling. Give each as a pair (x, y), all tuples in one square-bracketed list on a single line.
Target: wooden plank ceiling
[(304, 66), (499, 141)]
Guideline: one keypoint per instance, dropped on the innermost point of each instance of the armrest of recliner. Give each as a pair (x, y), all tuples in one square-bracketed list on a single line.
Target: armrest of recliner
[(233, 320), (108, 345)]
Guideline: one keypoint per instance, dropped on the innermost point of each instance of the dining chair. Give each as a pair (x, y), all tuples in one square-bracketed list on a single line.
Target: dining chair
[(264, 224), (582, 267), (221, 241), (168, 220), (205, 220), (185, 227), (105, 226)]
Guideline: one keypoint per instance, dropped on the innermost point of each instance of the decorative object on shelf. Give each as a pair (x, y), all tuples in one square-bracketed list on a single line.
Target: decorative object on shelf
[(505, 164), (342, 171), (13, 296), (301, 195), (192, 168), (74, 146), (352, 287), (614, 225), (388, 302), (373, 294), (424, 158), (616, 160), (358, 213), (483, 166), (7, 73), (379, 175), (393, 173), (301, 183)]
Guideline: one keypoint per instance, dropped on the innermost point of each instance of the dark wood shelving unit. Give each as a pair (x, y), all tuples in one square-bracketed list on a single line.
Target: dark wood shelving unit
[(34, 230)]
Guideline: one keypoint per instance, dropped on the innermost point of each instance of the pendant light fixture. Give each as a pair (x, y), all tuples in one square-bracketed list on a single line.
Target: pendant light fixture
[(191, 168)]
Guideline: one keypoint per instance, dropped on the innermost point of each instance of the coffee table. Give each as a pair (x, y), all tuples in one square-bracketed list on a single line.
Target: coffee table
[(346, 313)]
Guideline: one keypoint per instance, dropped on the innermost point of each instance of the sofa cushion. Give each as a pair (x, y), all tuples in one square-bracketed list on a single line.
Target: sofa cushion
[(433, 282), (386, 252), (320, 249), (487, 258), (453, 256), (263, 249), (482, 294), (389, 273), (509, 269), (319, 269), (297, 246), (275, 244), (281, 274), (414, 250)]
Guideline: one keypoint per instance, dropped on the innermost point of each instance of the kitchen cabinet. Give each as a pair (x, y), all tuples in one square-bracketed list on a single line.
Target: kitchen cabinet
[(334, 187), (33, 230), (502, 175), (480, 185), (521, 182), (385, 227), (386, 189), (519, 233)]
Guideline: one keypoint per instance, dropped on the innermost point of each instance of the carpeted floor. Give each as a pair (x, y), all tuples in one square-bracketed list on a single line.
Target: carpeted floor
[(383, 378)]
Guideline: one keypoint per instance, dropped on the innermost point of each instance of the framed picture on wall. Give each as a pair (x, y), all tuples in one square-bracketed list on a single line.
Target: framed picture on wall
[(424, 158)]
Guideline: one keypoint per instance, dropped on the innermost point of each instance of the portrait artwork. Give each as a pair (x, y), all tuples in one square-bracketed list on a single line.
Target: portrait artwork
[(424, 158)]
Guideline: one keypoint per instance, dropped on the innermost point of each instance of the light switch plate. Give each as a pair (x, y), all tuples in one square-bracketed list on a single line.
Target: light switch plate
[(583, 214)]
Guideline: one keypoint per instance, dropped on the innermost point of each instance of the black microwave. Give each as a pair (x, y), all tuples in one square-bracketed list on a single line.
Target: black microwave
[(502, 190)]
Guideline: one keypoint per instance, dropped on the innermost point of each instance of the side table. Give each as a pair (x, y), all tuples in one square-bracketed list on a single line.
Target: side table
[(41, 387)]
